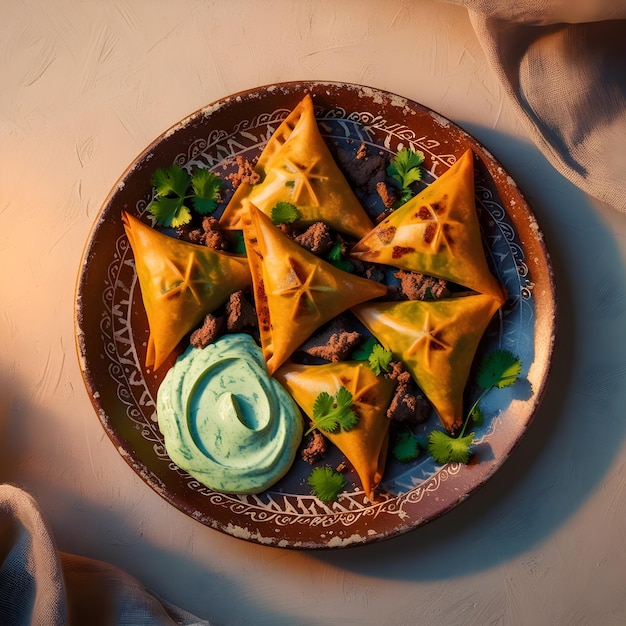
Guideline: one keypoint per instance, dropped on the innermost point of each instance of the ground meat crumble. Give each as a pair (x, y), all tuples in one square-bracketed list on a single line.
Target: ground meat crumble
[(416, 286), (315, 447), (334, 343), (408, 405), (317, 239), (209, 234), (240, 313), (245, 173), (210, 330)]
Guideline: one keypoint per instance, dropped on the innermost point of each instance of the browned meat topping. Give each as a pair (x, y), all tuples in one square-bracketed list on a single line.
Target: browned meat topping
[(208, 332), (245, 173), (430, 232), (317, 238), (424, 213), (240, 313), (408, 404), (315, 447), (209, 234), (416, 286), (386, 195), (334, 343), (213, 235)]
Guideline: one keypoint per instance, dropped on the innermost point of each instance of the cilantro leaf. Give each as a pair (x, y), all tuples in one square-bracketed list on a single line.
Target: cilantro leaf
[(447, 449), (379, 359), (362, 353), (406, 448), (173, 189), (336, 257), (206, 186), (171, 180), (405, 169), (405, 195), (330, 413), (326, 483), (169, 211), (168, 207), (285, 213), (500, 369)]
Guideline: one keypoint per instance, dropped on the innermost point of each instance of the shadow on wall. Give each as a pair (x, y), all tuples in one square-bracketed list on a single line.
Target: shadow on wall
[(579, 428)]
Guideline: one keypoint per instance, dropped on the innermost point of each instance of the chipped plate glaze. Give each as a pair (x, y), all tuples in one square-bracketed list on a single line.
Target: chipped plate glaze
[(111, 327)]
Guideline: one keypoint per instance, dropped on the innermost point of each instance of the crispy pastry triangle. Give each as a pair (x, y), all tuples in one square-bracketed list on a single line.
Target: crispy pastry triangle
[(365, 445), (437, 342), (436, 233), (295, 291), (180, 283), (297, 167), (231, 217)]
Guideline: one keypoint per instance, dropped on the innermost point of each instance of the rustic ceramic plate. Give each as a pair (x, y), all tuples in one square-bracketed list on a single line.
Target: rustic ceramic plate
[(112, 331)]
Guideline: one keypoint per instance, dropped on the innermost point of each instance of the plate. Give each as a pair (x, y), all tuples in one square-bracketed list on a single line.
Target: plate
[(111, 327)]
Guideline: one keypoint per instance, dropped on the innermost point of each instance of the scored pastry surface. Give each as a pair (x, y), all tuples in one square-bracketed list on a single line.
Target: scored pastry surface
[(436, 233), (180, 283), (365, 445), (436, 340), (297, 167), (295, 291)]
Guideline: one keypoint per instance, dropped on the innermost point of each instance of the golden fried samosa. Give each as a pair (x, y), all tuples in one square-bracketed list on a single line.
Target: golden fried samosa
[(231, 216), (365, 445), (295, 291), (436, 340), (180, 283), (297, 167), (436, 233)]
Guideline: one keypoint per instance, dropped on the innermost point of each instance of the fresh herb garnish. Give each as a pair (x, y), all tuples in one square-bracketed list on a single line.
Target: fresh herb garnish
[(331, 413), (206, 187), (326, 483), (337, 258), (284, 213), (362, 353), (446, 449), (174, 188), (168, 207), (405, 169), (379, 359), (499, 369), (406, 447)]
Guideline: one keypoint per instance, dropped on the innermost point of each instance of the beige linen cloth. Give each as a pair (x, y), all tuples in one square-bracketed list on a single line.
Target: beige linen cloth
[(41, 586), (563, 64)]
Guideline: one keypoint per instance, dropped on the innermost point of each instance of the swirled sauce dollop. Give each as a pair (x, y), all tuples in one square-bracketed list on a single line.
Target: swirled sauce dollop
[(225, 420)]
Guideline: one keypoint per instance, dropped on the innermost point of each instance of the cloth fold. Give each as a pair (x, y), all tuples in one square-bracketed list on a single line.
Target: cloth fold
[(562, 65), (41, 586)]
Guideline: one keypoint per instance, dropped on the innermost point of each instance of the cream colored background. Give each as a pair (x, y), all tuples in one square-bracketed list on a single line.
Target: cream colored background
[(85, 85)]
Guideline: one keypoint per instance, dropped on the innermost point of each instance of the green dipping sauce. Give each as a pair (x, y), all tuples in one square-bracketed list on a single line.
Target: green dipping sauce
[(225, 420)]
